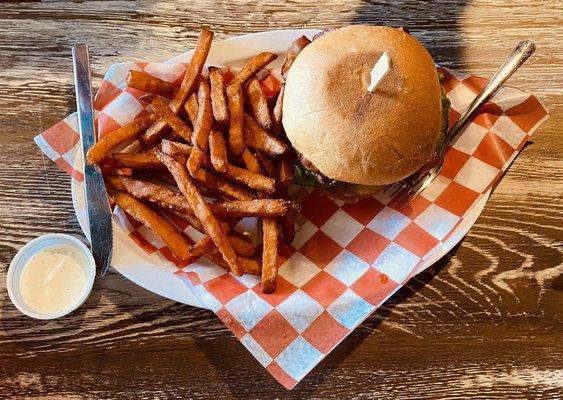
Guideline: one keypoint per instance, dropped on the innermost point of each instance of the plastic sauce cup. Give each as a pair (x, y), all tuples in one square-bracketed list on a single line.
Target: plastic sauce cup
[(56, 240)]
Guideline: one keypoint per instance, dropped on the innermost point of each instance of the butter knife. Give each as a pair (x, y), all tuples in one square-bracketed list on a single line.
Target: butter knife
[(97, 204)]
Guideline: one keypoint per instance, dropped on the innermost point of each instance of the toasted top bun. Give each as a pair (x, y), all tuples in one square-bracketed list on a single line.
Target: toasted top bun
[(352, 135)]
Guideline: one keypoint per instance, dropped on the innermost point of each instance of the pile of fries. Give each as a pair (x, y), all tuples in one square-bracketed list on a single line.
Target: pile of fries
[(211, 152)]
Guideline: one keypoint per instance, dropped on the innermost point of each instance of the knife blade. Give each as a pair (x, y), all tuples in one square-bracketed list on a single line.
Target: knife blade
[(97, 204)]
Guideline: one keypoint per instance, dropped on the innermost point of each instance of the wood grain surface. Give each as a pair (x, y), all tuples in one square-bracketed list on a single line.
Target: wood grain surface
[(484, 322)]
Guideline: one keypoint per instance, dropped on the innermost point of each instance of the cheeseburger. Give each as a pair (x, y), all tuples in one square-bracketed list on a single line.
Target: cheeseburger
[(352, 142)]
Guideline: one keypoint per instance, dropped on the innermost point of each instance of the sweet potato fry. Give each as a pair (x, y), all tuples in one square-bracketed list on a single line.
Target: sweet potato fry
[(249, 265), (253, 208), (258, 139), (242, 246), (204, 118), (137, 160), (170, 147), (205, 245), (276, 118), (252, 67), (250, 161), (258, 104), (269, 255), (191, 77), (160, 226), (222, 187), (269, 247), (176, 123), (152, 192), (105, 145), (236, 124), (145, 82), (195, 161), (201, 210), (286, 173), (191, 107), (218, 150), (251, 179), (218, 99)]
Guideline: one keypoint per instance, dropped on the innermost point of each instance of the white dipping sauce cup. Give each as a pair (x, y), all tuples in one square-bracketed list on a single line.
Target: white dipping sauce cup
[(54, 240)]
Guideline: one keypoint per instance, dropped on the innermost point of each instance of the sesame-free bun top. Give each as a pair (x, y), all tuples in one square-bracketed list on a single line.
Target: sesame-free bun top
[(352, 135)]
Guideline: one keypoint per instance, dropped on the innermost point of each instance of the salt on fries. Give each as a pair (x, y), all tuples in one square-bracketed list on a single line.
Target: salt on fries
[(206, 137)]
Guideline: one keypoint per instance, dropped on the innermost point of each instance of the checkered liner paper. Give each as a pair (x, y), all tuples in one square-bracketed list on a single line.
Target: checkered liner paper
[(347, 259)]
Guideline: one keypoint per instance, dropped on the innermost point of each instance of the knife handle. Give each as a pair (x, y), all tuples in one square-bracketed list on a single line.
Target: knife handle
[(83, 85)]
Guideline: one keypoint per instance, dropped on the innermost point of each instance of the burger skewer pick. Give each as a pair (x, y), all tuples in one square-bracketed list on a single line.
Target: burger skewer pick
[(379, 71)]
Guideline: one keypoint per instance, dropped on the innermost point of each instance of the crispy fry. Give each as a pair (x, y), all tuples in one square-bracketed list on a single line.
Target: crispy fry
[(258, 104), (137, 160), (251, 179), (170, 147), (269, 255), (157, 194), (242, 246), (145, 82), (160, 226), (191, 219), (204, 118), (203, 247), (267, 164), (258, 139), (250, 161), (176, 123), (105, 145), (201, 210), (206, 244), (191, 77), (218, 99), (286, 173), (277, 126), (252, 67), (236, 119), (195, 161), (191, 107), (249, 265), (218, 150), (269, 247), (222, 187), (253, 208)]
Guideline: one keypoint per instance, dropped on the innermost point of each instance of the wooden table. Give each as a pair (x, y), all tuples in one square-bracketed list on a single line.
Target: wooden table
[(484, 322)]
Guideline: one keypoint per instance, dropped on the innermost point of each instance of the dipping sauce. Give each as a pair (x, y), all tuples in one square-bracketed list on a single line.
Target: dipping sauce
[(54, 279)]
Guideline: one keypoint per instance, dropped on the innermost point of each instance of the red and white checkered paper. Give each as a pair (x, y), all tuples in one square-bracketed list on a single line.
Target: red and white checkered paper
[(347, 259)]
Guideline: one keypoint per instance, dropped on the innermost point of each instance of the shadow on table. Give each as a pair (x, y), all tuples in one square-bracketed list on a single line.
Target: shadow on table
[(434, 23)]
